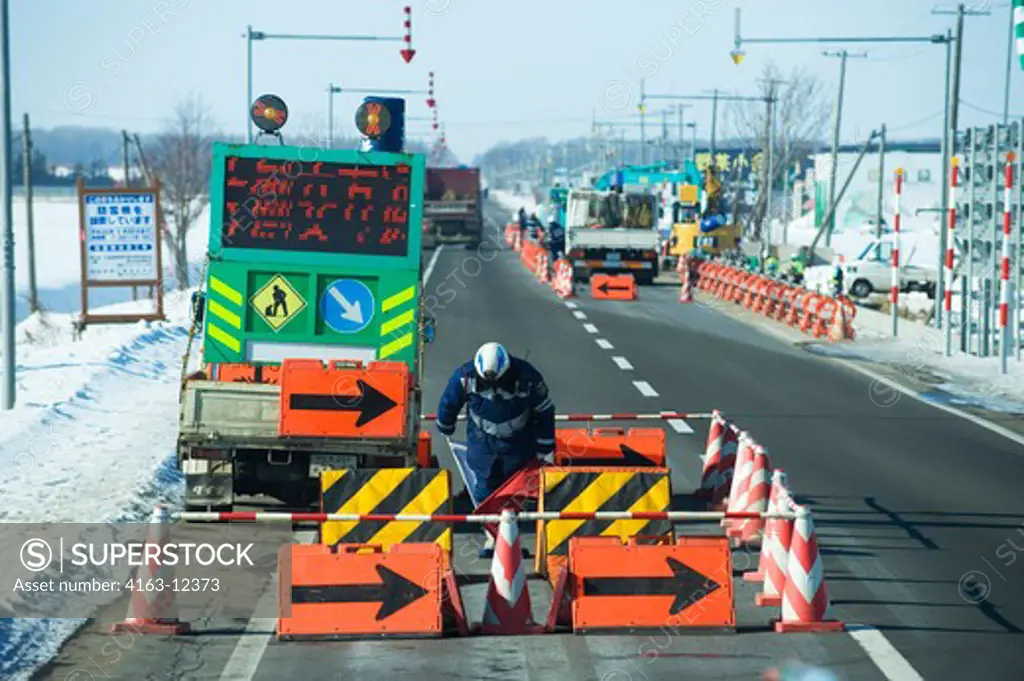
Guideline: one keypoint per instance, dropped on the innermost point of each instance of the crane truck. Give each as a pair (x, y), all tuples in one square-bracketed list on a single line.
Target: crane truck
[(311, 324)]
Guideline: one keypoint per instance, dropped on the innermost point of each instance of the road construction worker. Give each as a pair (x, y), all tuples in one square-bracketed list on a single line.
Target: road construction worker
[(511, 416), (771, 265), (837, 279), (556, 240), (533, 223)]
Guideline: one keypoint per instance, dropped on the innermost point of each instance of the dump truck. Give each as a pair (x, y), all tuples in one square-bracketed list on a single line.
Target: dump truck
[(309, 327), (453, 209), (612, 232)]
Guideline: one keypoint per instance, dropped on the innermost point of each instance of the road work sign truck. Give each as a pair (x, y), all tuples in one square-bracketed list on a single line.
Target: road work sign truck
[(311, 327)]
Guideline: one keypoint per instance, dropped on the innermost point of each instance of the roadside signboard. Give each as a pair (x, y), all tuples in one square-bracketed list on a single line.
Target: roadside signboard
[(119, 239)]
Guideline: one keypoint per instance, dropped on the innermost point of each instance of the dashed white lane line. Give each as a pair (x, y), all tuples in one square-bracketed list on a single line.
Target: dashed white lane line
[(605, 344), (590, 328), (680, 426), (622, 363), (571, 305), (645, 389), (579, 314), (885, 656)]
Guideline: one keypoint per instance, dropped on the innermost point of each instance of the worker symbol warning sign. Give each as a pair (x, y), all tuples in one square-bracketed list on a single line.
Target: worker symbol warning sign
[(277, 303)]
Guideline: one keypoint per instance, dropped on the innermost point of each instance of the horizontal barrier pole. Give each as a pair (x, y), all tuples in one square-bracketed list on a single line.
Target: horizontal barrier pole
[(660, 416), (272, 517)]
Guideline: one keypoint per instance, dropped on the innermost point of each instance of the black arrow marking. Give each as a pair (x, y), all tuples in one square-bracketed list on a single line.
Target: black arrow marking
[(393, 593), (630, 457), (604, 288), (370, 402), (686, 584)]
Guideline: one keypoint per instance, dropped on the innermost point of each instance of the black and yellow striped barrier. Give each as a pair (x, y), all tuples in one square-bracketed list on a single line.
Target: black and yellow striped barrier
[(407, 491), (591, 489)]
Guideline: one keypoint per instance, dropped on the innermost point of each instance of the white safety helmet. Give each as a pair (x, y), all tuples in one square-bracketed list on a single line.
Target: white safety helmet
[(491, 361)]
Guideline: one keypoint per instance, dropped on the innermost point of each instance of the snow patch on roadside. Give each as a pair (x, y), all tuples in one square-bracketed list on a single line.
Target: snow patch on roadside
[(91, 440)]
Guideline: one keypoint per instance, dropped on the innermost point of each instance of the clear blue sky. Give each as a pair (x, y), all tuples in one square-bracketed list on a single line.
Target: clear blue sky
[(505, 70)]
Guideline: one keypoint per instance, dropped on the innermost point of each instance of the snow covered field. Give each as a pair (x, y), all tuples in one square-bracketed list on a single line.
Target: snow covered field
[(91, 440), (58, 259)]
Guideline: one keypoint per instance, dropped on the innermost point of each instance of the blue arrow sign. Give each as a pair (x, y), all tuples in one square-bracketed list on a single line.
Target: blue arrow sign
[(347, 306)]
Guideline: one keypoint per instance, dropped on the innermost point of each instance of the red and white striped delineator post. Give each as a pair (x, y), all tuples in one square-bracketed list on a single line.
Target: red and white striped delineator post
[(771, 567), (481, 518), (756, 500), (587, 418), (741, 477), (1004, 267), (507, 610), (894, 287), (154, 612), (805, 604), (947, 304)]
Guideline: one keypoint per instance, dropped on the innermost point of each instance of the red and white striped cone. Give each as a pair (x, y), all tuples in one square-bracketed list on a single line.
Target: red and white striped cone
[(805, 604), (778, 483), (837, 330), (507, 610), (563, 283), (756, 500), (154, 612), (741, 477), (775, 561), (712, 458), (726, 468)]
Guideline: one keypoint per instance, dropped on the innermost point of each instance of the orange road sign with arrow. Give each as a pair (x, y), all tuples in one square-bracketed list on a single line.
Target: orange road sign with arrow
[(360, 590), (610, 447), (613, 287), (344, 399), (617, 587)]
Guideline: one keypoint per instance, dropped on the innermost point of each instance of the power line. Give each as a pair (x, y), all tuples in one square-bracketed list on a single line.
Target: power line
[(988, 111)]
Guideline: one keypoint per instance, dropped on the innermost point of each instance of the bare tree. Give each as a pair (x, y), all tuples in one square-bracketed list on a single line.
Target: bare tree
[(181, 160), (801, 112)]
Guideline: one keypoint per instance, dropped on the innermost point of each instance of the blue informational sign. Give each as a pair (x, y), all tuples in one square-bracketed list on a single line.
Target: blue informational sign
[(120, 236), (347, 306)]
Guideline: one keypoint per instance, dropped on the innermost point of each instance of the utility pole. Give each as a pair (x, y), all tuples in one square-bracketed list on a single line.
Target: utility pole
[(714, 125), (950, 123), (7, 393), (1009, 66), (693, 140), (881, 181), (643, 139), (837, 123), (127, 182), (26, 180), (680, 154), (768, 175), (664, 136)]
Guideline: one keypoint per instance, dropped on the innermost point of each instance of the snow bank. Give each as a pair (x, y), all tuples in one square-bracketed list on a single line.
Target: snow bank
[(92, 439)]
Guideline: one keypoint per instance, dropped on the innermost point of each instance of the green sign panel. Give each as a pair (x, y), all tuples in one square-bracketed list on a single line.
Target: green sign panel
[(313, 253)]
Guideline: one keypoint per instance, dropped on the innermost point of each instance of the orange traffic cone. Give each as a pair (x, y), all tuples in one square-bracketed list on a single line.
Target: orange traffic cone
[(712, 458), (776, 560), (154, 612), (726, 468), (778, 487), (507, 610), (805, 604), (837, 331), (741, 476), (756, 500)]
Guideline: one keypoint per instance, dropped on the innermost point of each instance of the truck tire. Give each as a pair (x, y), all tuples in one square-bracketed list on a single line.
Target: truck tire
[(929, 289), (861, 289)]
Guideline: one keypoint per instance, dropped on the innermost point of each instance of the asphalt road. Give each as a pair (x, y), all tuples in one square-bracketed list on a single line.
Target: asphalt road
[(918, 511)]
